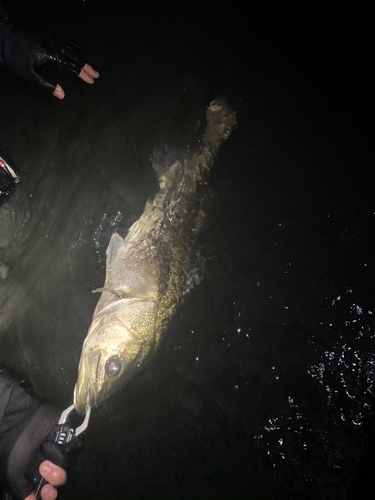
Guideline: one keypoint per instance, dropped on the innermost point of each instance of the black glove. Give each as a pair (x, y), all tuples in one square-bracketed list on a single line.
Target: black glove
[(25, 425), (29, 55)]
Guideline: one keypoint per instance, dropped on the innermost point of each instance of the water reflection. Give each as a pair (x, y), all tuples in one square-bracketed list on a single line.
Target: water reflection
[(325, 411)]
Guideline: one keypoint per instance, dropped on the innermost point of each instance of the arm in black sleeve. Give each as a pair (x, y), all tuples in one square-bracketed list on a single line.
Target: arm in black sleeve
[(26, 423), (7, 384)]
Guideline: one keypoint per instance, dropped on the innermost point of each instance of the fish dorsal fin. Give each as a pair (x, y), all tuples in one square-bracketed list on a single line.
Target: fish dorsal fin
[(112, 252)]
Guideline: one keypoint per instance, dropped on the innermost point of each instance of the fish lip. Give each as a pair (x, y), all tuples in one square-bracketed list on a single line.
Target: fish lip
[(86, 391)]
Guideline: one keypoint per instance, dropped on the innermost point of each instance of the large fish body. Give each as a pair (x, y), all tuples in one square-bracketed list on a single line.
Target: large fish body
[(146, 272)]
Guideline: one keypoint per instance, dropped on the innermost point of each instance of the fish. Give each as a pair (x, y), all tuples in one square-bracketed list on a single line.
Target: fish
[(146, 273)]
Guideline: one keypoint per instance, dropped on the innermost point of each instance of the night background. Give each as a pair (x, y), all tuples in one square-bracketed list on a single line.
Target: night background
[(263, 387)]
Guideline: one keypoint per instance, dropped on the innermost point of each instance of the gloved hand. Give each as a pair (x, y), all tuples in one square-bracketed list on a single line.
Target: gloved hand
[(25, 425), (30, 56)]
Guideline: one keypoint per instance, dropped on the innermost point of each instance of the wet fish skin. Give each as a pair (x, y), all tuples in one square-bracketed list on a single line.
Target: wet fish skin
[(146, 272)]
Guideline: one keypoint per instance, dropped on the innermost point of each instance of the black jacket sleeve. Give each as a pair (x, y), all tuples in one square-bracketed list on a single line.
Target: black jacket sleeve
[(7, 384), (26, 426), (25, 423)]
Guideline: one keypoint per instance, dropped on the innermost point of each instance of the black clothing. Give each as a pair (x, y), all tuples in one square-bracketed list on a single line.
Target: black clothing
[(30, 55), (25, 424)]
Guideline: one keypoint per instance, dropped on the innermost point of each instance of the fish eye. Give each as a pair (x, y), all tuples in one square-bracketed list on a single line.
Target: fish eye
[(113, 366)]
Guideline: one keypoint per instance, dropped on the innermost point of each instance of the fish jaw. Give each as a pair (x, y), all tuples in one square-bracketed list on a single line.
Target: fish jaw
[(86, 389), (120, 339)]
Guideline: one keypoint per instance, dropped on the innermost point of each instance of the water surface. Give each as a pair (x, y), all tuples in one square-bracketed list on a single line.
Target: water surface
[(263, 386)]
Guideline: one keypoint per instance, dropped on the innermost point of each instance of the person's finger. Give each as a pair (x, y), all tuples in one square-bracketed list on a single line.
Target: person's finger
[(88, 74), (31, 497), (58, 92), (48, 492), (91, 71), (52, 473), (85, 77)]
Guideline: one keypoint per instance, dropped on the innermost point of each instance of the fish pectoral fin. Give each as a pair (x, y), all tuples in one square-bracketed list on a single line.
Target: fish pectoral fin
[(118, 293), (128, 293), (124, 293)]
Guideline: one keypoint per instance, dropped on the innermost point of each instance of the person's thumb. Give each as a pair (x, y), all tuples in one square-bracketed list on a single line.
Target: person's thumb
[(59, 92)]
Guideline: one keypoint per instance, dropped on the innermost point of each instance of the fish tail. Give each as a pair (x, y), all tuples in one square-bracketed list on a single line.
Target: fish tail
[(221, 120), (177, 196), (191, 168)]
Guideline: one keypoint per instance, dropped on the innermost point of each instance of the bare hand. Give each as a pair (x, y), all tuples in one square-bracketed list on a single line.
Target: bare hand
[(55, 476)]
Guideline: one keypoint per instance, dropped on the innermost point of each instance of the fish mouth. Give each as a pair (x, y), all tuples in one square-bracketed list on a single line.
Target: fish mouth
[(86, 391)]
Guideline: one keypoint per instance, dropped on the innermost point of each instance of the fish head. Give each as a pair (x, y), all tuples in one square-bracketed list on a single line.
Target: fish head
[(121, 338)]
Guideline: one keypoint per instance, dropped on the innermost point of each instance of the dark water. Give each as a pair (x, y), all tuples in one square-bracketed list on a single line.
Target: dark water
[(263, 386)]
